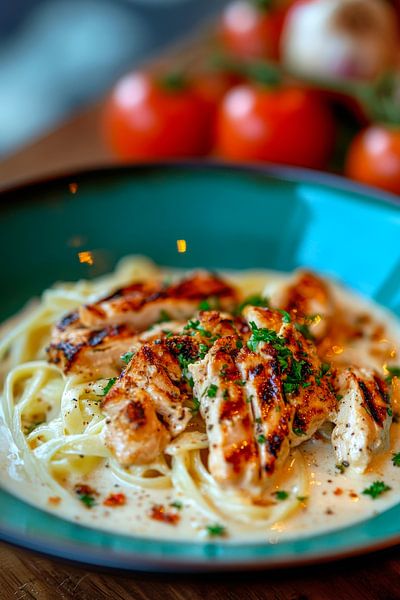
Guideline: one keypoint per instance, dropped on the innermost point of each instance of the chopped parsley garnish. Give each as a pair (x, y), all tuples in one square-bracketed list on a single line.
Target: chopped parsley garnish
[(239, 344), (286, 318), (32, 427), (211, 303), (302, 498), (87, 500), (126, 357), (341, 467), (298, 431), (296, 371), (195, 325), (389, 412), (108, 386), (177, 504), (196, 406), (212, 390), (396, 459), (281, 495), (216, 530), (203, 349), (224, 371), (393, 372), (324, 370), (204, 305), (261, 439), (258, 420), (376, 489), (304, 330), (240, 382), (164, 317), (254, 300)]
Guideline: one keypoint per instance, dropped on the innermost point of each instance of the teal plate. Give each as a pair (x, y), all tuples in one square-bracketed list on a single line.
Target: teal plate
[(230, 218)]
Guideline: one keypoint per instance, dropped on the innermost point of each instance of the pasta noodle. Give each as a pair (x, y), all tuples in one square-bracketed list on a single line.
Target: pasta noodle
[(57, 424)]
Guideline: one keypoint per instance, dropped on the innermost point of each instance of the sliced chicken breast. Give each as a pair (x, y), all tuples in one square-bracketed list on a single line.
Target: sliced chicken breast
[(133, 430), (305, 379), (307, 298), (142, 304), (363, 417), (272, 415), (233, 452), (92, 353)]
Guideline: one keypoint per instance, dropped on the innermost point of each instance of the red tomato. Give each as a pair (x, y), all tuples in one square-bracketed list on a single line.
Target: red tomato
[(145, 119), (374, 157), (212, 86), (251, 31), (282, 125)]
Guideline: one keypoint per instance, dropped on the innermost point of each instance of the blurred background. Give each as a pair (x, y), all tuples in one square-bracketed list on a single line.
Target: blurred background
[(309, 83), (59, 55)]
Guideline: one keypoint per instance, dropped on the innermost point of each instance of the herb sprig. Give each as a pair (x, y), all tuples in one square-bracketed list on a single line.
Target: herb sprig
[(376, 489)]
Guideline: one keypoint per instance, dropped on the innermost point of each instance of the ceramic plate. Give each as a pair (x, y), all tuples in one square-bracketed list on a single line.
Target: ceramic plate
[(230, 218)]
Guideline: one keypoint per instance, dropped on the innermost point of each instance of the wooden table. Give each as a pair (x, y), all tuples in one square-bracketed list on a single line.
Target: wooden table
[(26, 575)]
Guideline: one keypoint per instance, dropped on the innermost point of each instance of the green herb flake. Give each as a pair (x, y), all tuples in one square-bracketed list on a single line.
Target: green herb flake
[(108, 386), (298, 431), (29, 428), (261, 439), (324, 370), (396, 459), (240, 382), (164, 317), (126, 357), (211, 303), (376, 489), (212, 390), (394, 371), (254, 300), (177, 504), (305, 331), (302, 498), (196, 406), (341, 467), (239, 344), (87, 500), (281, 495), (203, 349), (204, 305), (224, 371), (286, 318), (216, 530)]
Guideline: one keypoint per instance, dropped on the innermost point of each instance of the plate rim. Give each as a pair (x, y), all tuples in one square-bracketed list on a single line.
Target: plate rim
[(270, 170), (133, 561)]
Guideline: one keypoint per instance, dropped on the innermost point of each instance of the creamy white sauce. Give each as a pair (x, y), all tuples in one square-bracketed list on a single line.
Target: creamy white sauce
[(335, 499)]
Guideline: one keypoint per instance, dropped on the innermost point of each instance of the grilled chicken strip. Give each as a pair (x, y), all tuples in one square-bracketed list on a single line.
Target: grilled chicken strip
[(143, 304), (159, 367), (156, 369), (306, 297), (306, 381), (233, 456), (363, 417), (272, 414), (133, 430), (93, 353)]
